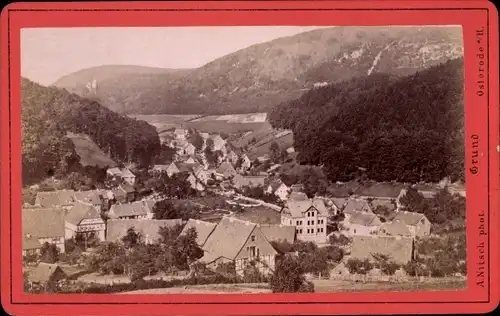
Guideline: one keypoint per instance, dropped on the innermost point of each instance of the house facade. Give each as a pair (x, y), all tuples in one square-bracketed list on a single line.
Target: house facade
[(417, 223), (279, 189), (84, 218), (225, 171), (135, 210), (42, 225), (362, 224), (123, 174), (241, 242), (309, 216)]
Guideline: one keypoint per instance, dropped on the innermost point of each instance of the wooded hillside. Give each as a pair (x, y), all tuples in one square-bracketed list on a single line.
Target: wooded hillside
[(406, 129), (48, 113)]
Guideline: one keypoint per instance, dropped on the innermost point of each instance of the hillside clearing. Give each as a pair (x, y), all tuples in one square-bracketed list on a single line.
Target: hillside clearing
[(90, 154)]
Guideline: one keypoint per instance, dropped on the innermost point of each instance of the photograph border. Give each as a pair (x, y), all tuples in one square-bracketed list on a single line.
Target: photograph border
[(481, 184)]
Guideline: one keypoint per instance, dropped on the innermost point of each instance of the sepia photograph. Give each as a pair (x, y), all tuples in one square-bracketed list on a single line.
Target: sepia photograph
[(249, 159)]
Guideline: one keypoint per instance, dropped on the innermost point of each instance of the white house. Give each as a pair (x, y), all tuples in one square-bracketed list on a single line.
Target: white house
[(121, 173), (135, 210), (308, 215), (84, 218), (279, 189), (180, 133)]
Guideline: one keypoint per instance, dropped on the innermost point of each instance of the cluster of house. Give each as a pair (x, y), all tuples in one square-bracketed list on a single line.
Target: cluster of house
[(229, 240), (64, 214)]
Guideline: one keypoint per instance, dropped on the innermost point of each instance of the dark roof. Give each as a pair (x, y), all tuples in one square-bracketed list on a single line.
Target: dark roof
[(342, 190), (278, 232), (378, 189), (44, 272), (148, 228), (81, 211), (43, 222), (399, 249)]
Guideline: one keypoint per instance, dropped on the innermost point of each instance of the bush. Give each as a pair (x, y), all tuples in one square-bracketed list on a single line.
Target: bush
[(389, 268), (414, 268), (359, 266), (152, 284)]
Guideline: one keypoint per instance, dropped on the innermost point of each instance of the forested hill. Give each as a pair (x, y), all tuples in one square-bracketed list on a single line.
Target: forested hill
[(257, 78), (405, 129), (48, 113)]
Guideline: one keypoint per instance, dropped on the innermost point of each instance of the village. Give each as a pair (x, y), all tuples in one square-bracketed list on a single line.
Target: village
[(242, 213)]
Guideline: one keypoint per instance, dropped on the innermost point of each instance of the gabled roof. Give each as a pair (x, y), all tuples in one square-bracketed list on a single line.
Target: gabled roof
[(203, 229), (342, 190), (137, 208), (44, 271), (121, 172), (188, 167), (43, 222), (55, 198), (278, 232), (228, 237), (93, 196), (364, 218), (399, 249), (160, 167), (409, 218), (378, 189), (297, 208), (275, 184), (147, 228), (391, 206), (224, 167), (340, 202), (356, 205), (81, 211), (298, 196), (395, 228)]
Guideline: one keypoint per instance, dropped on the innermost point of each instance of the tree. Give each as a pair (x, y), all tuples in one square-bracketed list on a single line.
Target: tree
[(288, 276), (49, 253), (108, 258), (167, 209), (341, 240), (197, 140), (190, 251), (131, 239), (274, 152), (359, 266)]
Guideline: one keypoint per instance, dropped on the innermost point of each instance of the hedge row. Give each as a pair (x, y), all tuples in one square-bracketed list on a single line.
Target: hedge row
[(154, 284)]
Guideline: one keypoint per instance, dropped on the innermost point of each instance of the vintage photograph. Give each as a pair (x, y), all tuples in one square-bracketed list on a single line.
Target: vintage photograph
[(269, 159)]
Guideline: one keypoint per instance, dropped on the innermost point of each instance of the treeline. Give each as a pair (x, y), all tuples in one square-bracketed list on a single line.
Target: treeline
[(406, 129), (48, 113)]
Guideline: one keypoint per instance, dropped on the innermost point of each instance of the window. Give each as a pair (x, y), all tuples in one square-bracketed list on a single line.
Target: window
[(253, 238), (252, 251), (312, 222), (258, 252)]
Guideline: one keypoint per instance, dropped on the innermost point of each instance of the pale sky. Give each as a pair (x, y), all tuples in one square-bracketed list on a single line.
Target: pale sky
[(50, 53)]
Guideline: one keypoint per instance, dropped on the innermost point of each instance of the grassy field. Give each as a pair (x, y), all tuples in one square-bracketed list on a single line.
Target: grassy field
[(263, 147), (259, 215), (211, 288), (235, 118), (163, 122), (328, 286), (90, 154)]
